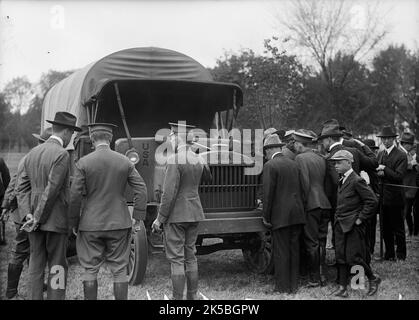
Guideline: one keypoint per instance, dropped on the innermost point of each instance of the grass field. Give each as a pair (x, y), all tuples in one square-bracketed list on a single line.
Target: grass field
[(224, 275)]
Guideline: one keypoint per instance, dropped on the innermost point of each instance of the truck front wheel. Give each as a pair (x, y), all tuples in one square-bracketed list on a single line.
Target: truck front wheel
[(258, 256), (138, 256)]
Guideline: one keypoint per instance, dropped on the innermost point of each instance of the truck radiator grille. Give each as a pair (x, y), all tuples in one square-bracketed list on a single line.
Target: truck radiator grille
[(229, 190)]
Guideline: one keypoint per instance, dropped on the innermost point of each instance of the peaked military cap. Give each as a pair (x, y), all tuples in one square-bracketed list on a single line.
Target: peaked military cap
[(107, 127)]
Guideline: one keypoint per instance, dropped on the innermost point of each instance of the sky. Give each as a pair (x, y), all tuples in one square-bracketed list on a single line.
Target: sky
[(36, 36)]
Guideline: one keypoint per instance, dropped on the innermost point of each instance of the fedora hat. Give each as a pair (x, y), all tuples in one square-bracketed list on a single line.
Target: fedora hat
[(387, 132), (65, 119), (303, 135), (370, 143), (407, 137), (330, 129), (44, 136), (268, 132), (272, 141)]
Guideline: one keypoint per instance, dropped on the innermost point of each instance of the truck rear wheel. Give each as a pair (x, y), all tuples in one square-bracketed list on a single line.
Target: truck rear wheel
[(138, 256), (258, 257)]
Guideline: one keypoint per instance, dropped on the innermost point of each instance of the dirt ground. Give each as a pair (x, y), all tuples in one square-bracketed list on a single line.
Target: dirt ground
[(224, 275)]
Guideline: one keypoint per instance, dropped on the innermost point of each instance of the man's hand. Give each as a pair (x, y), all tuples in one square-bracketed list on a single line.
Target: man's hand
[(267, 224), (137, 225), (358, 221), (380, 167), (380, 173), (31, 224), (156, 227)]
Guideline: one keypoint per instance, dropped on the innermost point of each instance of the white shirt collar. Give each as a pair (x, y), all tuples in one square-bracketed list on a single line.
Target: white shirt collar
[(102, 144), (58, 139), (278, 152), (389, 149), (346, 175), (335, 144)]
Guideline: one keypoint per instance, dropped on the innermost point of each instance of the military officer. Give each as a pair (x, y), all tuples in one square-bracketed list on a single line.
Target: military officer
[(42, 192), (20, 249), (104, 230), (181, 210)]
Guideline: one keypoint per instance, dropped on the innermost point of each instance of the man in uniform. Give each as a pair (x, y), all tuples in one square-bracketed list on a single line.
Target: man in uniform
[(104, 230), (392, 169), (313, 174), (181, 210), (42, 189), (356, 203), (4, 182), (20, 249), (283, 212)]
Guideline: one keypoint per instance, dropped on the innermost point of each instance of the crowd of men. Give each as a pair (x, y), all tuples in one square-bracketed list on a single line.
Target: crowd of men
[(308, 181), (312, 179)]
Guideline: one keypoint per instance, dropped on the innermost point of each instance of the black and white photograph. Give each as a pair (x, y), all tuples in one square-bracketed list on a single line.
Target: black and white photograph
[(223, 150)]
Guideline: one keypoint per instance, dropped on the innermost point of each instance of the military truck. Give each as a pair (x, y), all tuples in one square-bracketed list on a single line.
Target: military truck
[(141, 90)]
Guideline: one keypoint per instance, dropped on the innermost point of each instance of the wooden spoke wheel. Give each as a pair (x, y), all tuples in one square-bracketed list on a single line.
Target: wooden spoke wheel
[(138, 256), (258, 256)]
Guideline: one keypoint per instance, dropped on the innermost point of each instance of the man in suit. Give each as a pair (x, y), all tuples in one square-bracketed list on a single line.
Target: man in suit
[(356, 203), (180, 211), (42, 189), (283, 212), (20, 249), (391, 170), (407, 142), (104, 230), (313, 174), (4, 182)]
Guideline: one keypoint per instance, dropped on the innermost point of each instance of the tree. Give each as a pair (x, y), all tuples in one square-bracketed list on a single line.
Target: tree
[(18, 93), (331, 30)]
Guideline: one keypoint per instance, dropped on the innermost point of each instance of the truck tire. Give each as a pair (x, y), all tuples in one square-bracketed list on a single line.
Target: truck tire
[(259, 258), (138, 256)]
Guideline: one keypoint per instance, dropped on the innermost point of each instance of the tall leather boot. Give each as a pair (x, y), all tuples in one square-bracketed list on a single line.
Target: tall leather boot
[(120, 290), (191, 285), (178, 282), (13, 275), (90, 290)]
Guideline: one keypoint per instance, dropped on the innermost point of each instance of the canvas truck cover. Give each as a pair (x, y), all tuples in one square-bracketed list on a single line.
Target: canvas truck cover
[(72, 93)]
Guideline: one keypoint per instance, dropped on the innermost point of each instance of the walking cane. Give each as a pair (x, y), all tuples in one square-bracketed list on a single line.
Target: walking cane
[(380, 215)]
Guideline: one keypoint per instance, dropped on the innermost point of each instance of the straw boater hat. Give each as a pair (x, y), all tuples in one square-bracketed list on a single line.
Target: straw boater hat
[(65, 119), (343, 155), (387, 132), (272, 141), (407, 137), (44, 136), (330, 129)]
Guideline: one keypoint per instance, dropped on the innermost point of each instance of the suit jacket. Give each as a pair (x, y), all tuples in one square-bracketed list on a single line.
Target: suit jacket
[(288, 153), (355, 200), (367, 158), (10, 196), (43, 186), (4, 178), (283, 194), (394, 172), (180, 200), (313, 175), (99, 182)]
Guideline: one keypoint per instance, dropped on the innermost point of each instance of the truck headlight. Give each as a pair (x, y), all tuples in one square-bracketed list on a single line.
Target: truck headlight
[(133, 156)]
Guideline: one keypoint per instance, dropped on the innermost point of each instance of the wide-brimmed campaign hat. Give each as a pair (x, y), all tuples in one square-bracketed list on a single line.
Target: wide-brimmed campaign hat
[(408, 137), (387, 132), (330, 129), (65, 119), (272, 141), (370, 143), (44, 136), (101, 126), (343, 155)]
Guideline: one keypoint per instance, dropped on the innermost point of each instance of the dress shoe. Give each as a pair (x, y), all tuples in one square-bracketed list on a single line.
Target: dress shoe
[(374, 286), (342, 293), (323, 280)]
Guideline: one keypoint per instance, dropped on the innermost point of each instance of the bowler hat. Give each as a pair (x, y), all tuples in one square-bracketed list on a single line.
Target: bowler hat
[(272, 141), (44, 136), (107, 127), (370, 143), (65, 119), (387, 132), (343, 155), (407, 137), (330, 129)]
